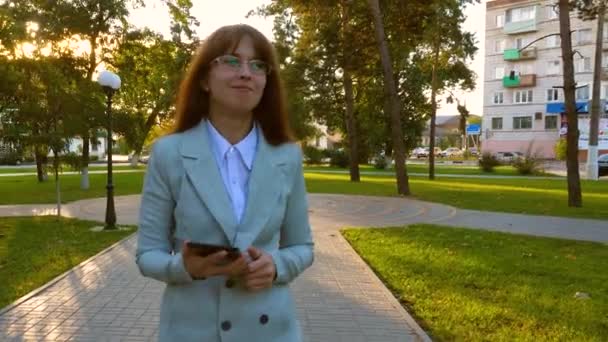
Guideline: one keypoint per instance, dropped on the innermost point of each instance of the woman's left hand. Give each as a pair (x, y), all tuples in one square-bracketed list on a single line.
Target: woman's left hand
[(260, 272)]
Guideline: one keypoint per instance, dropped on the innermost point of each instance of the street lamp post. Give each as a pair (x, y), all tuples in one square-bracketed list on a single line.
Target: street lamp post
[(110, 82)]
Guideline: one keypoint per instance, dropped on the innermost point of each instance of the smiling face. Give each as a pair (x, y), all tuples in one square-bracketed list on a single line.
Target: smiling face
[(235, 90)]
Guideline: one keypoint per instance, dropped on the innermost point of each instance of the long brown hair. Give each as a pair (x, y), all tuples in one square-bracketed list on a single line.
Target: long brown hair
[(192, 103)]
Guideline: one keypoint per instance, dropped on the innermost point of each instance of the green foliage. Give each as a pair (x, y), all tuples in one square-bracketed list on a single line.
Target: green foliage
[(338, 158), (560, 149), (529, 163), (312, 155), (488, 162), (380, 163)]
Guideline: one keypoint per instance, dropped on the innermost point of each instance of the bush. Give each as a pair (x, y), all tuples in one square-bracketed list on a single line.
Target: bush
[(528, 164), (380, 162), (338, 158), (488, 162), (312, 155), (71, 160), (560, 149)]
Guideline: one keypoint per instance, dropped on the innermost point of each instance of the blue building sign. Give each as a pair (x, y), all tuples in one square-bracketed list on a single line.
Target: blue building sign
[(581, 107), (473, 129)]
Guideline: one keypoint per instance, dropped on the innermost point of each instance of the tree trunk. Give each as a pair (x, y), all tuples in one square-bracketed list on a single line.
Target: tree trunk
[(351, 126), (86, 138), (40, 162), (592, 168), (574, 183), (433, 110), (390, 93)]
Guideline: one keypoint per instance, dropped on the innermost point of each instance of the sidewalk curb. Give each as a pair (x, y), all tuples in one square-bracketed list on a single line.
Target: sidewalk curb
[(61, 276), (396, 304)]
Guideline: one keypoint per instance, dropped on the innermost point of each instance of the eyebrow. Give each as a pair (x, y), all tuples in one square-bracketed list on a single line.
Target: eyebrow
[(255, 56)]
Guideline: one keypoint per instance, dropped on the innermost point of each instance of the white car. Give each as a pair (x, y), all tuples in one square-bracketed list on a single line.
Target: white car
[(451, 152)]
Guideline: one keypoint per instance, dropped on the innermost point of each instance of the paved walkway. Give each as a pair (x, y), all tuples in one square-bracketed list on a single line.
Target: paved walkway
[(339, 298)]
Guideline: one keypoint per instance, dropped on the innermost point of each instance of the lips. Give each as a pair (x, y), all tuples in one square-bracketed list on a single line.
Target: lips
[(242, 88)]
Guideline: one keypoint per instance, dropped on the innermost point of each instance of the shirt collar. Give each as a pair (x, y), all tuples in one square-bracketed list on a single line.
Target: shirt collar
[(246, 147)]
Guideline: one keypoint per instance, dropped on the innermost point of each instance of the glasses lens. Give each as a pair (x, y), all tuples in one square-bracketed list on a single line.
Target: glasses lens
[(230, 61), (259, 67)]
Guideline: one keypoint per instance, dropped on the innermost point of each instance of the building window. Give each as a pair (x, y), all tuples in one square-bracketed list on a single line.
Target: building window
[(550, 121), (524, 69), (499, 72), (520, 43), (553, 41), (552, 95), (500, 20), (499, 45), (523, 96), (604, 91), (582, 65), (552, 12), (522, 122), (553, 67), (521, 14), (583, 36), (496, 123), (498, 98), (582, 93)]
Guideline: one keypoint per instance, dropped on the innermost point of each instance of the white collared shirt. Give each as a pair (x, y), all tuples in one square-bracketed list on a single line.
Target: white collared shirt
[(234, 163)]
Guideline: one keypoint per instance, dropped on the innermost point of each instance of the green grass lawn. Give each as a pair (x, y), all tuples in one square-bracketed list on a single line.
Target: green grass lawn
[(527, 196), (91, 168), (26, 189), (470, 285), (505, 170), (34, 250)]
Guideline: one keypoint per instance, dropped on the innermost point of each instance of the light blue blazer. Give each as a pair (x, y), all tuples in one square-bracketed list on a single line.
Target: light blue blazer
[(184, 198)]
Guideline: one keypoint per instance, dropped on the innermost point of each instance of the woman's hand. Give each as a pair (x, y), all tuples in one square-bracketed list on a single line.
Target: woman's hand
[(212, 265), (260, 272)]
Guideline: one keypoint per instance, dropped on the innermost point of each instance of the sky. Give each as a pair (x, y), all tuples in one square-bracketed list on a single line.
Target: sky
[(213, 14)]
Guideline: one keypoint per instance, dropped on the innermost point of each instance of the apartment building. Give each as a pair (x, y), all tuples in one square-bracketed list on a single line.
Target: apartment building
[(522, 101)]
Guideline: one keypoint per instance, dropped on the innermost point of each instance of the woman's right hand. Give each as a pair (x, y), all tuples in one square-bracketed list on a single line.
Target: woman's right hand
[(212, 265)]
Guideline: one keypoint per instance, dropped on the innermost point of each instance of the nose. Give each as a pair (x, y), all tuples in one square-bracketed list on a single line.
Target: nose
[(244, 71)]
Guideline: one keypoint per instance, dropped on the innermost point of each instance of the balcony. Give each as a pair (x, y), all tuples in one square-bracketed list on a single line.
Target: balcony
[(523, 26), (519, 81), (516, 55)]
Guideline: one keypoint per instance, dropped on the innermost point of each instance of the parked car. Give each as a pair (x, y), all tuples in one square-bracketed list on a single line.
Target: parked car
[(474, 151), (451, 152), (602, 165), (425, 152), (508, 157), (143, 156)]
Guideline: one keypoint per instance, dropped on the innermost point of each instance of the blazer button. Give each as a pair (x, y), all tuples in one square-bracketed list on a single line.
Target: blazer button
[(226, 325), (264, 319), (229, 283)]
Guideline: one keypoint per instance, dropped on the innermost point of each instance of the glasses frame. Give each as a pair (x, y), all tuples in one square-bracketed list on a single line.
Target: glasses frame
[(219, 61)]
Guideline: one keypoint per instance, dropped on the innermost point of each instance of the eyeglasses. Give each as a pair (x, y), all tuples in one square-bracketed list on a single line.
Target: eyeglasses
[(230, 62)]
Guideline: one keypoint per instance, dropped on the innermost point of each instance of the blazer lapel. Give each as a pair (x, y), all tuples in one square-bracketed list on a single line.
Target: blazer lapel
[(265, 183), (205, 176)]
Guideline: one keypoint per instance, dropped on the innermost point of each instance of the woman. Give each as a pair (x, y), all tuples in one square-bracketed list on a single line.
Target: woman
[(229, 175)]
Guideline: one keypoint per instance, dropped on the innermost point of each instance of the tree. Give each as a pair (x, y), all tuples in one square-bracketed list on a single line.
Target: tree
[(574, 183), (594, 10), (392, 100), (447, 48), (152, 67)]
